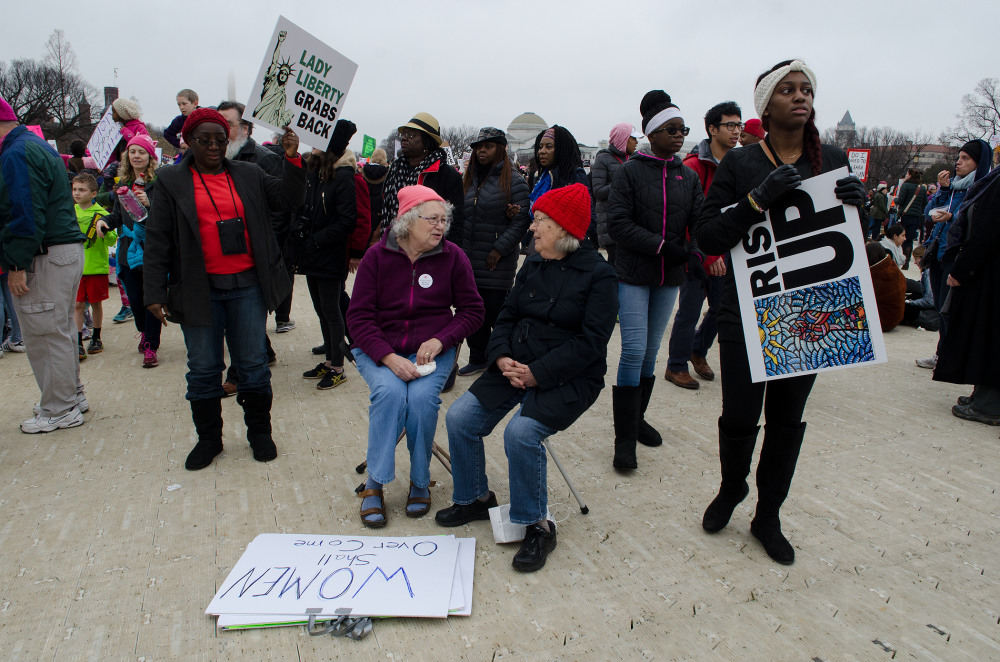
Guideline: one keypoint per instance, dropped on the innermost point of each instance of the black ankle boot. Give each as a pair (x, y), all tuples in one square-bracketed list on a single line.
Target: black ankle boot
[(207, 417), (778, 455), (625, 405), (735, 454), (646, 433), (257, 416)]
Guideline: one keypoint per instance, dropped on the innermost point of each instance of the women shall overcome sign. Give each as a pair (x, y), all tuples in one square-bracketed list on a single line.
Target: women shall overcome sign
[(804, 287), (302, 83)]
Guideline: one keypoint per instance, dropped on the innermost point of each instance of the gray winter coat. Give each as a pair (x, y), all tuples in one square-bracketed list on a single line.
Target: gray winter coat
[(487, 227), (606, 164)]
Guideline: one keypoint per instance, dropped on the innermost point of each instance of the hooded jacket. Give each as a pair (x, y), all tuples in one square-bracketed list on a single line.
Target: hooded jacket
[(602, 172), (653, 201), (95, 251), (487, 227), (333, 215)]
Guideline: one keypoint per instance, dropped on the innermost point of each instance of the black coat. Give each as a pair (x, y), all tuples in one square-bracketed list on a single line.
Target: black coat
[(557, 319), (333, 215), (174, 267), (639, 222), (970, 352), (488, 228), (717, 231), (606, 164), (374, 174), (273, 164)]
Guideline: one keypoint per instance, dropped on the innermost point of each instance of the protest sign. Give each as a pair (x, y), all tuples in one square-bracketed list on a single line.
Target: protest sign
[(302, 83), (450, 155), (371, 576), (368, 147), (805, 291), (102, 142), (35, 129), (858, 158)]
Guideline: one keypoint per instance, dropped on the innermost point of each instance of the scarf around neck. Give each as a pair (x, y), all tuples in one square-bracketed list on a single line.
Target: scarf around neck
[(401, 174)]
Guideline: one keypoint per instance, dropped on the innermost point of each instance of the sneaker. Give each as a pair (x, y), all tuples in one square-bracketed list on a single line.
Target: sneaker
[(142, 342), (149, 359), (16, 347), (930, 362), (472, 369), (95, 346), (81, 351), (40, 423), (317, 373), (332, 379), (457, 514), (124, 315), (81, 404), (88, 333), (536, 546), (970, 413), (284, 327)]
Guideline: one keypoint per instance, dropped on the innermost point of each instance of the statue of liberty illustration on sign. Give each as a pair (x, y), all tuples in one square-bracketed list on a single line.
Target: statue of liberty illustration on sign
[(271, 108)]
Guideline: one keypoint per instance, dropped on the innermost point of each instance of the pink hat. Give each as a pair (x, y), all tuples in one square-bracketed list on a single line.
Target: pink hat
[(411, 196), (144, 141), (6, 112), (620, 133)]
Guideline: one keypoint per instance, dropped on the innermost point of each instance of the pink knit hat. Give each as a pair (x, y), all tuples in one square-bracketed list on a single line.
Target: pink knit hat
[(620, 134), (6, 112), (144, 141), (411, 196)]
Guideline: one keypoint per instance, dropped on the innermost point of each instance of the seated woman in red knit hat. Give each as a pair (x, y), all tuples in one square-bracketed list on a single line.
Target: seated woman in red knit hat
[(548, 353)]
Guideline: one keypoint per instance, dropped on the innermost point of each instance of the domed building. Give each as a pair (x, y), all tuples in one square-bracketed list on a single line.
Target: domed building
[(521, 134)]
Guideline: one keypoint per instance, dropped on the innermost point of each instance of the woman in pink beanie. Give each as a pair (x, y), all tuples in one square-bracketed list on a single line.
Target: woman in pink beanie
[(405, 338)]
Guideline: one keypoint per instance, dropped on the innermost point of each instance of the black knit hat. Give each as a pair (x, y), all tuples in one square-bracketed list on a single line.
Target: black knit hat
[(974, 148), (342, 134), (655, 101)]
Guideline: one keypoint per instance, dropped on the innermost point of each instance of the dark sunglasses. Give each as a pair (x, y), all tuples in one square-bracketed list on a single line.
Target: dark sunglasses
[(674, 130)]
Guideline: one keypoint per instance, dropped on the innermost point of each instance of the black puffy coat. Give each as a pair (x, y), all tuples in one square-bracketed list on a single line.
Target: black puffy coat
[(557, 320), (652, 201), (374, 174), (333, 215), (717, 231), (488, 228), (606, 164)]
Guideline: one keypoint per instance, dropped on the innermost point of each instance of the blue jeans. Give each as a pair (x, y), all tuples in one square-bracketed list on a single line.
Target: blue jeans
[(643, 313), (685, 342), (8, 312), (397, 405), (239, 316), (468, 422)]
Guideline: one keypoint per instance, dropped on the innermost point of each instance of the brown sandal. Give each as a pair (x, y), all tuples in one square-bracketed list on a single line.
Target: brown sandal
[(410, 500), (373, 524)]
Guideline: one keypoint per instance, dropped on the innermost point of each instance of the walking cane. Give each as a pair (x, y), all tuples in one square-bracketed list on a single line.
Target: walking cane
[(583, 507)]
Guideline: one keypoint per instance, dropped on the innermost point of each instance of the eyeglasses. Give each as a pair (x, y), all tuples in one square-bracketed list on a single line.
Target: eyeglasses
[(208, 142), (674, 130), (731, 126), (409, 135), (435, 221)]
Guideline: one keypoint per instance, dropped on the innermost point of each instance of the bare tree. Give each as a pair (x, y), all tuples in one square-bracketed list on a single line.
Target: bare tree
[(892, 151), (980, 116), (459, 137)]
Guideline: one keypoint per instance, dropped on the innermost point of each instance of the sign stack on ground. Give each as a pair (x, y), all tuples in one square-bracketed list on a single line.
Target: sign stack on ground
[(281, 578), (804, 286)]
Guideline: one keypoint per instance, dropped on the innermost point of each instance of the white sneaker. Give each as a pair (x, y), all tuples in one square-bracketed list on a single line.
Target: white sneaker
[(930, 362), (16, 347), (40, 423), (81, 404)]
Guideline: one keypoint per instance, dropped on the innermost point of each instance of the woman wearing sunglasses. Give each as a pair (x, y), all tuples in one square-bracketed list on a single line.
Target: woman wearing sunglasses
[(655, 200)]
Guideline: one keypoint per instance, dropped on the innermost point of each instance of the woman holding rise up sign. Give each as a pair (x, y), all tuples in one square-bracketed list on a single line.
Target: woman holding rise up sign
[(753, 179)]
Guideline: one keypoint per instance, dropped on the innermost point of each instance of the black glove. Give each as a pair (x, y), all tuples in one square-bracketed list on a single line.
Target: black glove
[(850, 191), (696, 268), (779, 182), (673, 254)]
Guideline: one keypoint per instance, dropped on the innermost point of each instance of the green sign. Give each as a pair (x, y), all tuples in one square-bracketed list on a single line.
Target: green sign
[(369, 147)]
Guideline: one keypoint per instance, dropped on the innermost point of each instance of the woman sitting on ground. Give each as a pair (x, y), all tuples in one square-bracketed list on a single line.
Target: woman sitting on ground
[(892, 241), (548, 353), (405, 337)]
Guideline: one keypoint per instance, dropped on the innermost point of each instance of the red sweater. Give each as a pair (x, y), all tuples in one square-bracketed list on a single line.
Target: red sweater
[(229, 205)]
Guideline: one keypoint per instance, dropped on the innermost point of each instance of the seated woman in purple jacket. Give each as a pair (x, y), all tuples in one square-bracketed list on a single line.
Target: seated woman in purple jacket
[(405, 338)]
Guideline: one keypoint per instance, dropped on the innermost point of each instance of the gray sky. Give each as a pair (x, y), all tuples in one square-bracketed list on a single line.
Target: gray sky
[(584, 64)]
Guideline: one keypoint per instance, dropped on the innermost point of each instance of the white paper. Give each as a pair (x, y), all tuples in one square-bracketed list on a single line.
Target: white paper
[(467, 572), (302, 83), (804, 286), (372, 576), (102, 142)]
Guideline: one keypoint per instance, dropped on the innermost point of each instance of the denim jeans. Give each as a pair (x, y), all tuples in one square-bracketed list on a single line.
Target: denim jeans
[(643, 313), (685, 342), (397, 405), (239, 316), (468, 422), (9, 313)]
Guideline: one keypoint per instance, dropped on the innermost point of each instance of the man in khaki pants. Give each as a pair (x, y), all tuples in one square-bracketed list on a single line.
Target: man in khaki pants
[(42, 247)]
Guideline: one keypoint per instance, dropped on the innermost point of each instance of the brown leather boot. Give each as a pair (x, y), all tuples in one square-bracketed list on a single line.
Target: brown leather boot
[(682, 379), (701, 366)]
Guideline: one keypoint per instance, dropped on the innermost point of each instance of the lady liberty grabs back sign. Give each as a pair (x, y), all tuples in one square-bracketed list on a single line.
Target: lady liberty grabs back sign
[(805, 291)]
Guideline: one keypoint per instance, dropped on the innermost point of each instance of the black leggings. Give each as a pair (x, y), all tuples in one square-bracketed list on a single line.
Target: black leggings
[(325, 294), (145, 322), (782, 400)]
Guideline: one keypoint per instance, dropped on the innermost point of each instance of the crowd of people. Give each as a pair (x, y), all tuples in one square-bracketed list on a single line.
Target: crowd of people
[(212, 243)]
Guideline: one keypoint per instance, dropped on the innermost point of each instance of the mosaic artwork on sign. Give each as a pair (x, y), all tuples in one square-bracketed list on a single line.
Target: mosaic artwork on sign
[(824, 326)]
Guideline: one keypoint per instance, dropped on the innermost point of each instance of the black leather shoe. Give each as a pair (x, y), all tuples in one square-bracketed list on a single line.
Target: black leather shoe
[(458, 514), (202, 454), (536, 546), (775, 544), (964, 400), (970, 413), (319, 349)]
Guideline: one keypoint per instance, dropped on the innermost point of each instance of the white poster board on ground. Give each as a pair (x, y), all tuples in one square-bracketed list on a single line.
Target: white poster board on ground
[(372, 576), (805, 291), (102, 142), (302, 83)]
